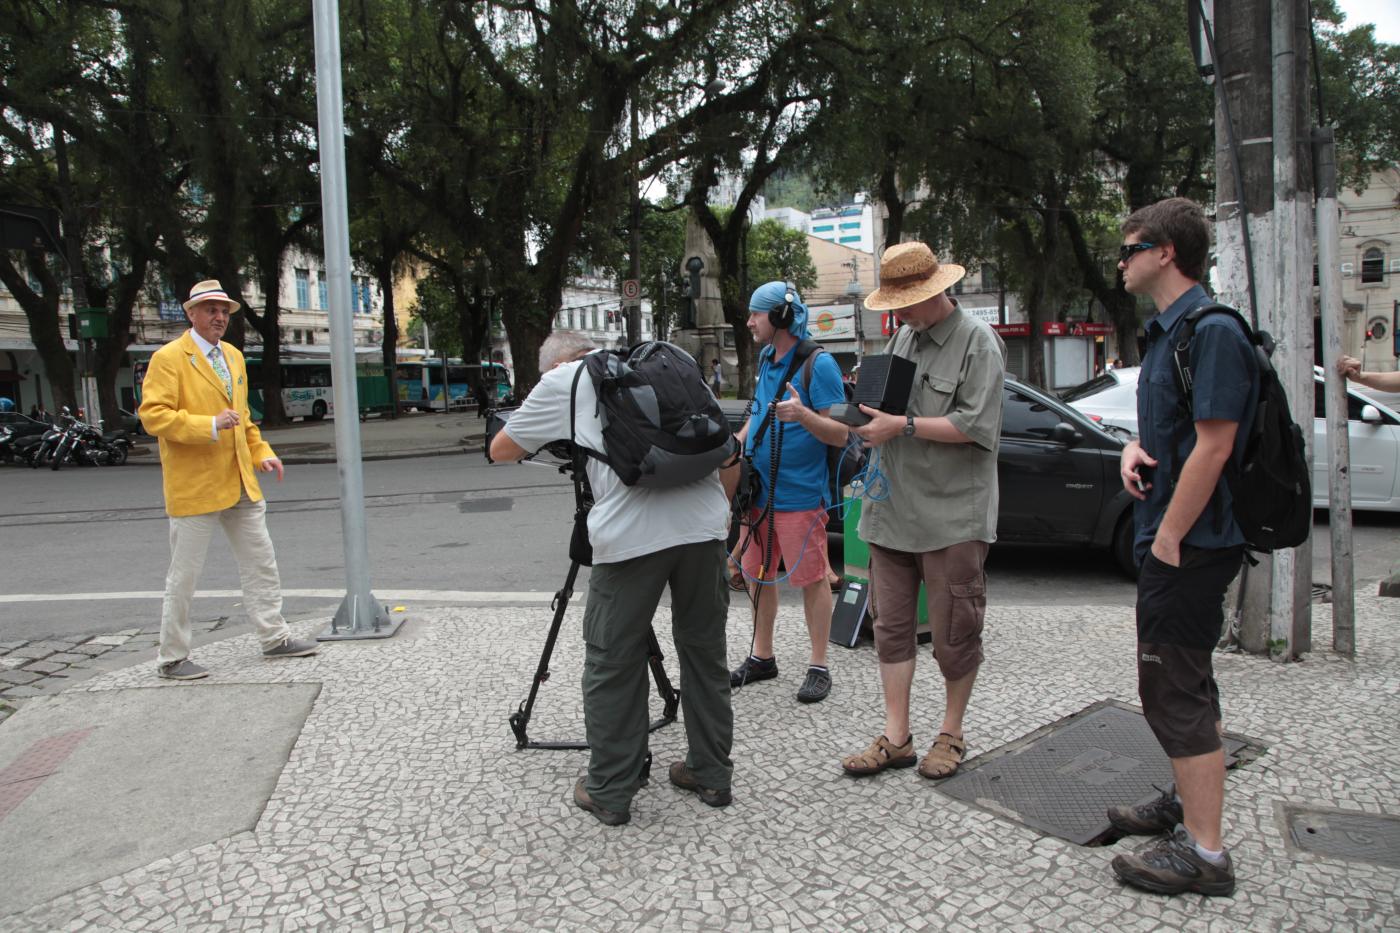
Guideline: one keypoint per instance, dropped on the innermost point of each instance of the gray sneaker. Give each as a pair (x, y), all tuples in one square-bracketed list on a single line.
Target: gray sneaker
[(1158, 815), (1171, 865), (293, 648), (181, 670)]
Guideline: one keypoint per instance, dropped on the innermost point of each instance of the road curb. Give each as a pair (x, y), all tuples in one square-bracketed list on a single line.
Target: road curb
[(296, 459)]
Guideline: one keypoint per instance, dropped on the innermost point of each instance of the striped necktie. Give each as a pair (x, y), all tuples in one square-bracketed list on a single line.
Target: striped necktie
[(216, 359)]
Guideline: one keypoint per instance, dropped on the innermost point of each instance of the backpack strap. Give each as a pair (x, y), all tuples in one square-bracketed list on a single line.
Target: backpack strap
[(800, 354), (581, 453)]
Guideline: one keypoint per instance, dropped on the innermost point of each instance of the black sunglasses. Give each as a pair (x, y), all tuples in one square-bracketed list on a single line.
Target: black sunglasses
[(1128, 250)]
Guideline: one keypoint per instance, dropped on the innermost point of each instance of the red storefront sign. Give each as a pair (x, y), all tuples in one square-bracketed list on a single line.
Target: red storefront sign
[(1075, 329), (1012, 330)]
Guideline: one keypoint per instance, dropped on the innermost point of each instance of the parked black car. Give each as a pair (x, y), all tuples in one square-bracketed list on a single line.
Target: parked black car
[(1058, 472)]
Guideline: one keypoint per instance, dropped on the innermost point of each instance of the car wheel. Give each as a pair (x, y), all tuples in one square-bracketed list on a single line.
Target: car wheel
[(1122, 546), (318, 410)]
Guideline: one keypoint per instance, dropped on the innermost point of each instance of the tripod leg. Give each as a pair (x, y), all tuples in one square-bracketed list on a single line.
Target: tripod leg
[(520, 719), (670, 696)]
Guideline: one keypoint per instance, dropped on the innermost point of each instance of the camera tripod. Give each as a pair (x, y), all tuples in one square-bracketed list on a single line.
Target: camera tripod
[(520, 719)]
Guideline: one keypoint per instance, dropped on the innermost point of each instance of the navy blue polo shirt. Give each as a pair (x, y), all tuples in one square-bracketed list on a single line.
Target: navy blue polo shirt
[(1226, 388)]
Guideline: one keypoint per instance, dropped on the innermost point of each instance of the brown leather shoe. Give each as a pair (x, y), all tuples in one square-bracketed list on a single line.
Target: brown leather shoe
[(604, 816)]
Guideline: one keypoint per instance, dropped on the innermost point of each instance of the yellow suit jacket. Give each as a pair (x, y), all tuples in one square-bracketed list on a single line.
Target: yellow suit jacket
[(180, 396)]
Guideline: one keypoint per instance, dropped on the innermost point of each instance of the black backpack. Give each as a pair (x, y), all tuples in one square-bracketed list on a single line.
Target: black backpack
[(662, 426), (1271, 485)]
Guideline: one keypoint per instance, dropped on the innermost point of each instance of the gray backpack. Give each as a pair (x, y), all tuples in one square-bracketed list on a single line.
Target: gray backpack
[(662, 426)]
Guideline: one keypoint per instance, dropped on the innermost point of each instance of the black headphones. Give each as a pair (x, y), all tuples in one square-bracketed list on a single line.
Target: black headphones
[(781, 316)]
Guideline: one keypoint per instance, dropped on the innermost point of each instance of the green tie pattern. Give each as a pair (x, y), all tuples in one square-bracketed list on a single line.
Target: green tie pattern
[(216, 359)]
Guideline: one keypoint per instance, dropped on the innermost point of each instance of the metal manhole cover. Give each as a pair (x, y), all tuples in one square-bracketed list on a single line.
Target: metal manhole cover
[(499, 504), (1344, 834), (1060, 779)]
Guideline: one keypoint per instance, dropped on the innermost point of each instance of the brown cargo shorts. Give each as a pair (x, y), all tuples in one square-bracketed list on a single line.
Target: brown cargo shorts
[(955, 587)]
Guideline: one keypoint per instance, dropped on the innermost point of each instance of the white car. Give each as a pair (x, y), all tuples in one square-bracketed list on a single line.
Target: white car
[(1374, 432)]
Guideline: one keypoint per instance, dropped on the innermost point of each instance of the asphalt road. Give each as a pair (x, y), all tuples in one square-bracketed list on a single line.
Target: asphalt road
[(441, 530)]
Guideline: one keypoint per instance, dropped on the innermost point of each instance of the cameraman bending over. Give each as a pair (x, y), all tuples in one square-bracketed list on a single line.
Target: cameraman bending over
[(643, 539)]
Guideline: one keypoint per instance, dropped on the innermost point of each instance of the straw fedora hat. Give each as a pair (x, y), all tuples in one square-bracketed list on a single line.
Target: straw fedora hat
[(210, 290), (909, 274)]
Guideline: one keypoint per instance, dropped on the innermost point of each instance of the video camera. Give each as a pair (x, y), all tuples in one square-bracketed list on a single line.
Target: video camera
[(496, 419)]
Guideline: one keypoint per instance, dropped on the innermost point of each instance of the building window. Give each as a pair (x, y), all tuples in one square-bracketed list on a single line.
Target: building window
[(849, 239), (822, 228), (303, 288), (321, 292), (310, 337), (850, 226), (1372, 266)]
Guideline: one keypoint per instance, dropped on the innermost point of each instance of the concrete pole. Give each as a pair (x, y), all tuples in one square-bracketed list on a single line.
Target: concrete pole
[(1244, 214), (1338, 440), (360, 615), (1290, 611)]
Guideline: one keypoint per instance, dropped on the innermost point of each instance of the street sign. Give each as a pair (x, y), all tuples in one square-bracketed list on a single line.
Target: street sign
[(631, 289)]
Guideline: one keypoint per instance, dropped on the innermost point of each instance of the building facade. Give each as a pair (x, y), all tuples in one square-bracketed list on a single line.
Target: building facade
[(304, 323), (1370, 259)]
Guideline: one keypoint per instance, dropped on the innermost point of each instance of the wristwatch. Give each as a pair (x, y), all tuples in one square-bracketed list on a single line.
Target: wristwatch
[(909, 426)]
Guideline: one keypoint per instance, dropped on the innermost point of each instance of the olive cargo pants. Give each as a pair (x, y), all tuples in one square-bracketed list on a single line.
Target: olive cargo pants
[(622, 599)]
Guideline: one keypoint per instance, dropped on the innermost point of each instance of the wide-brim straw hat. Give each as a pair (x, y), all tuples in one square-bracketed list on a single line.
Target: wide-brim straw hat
[(210, 290), (909, 274)]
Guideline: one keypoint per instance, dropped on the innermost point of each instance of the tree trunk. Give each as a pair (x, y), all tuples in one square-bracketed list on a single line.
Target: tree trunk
[(268, 326), (384, 272), (45, 328), (111, 350)]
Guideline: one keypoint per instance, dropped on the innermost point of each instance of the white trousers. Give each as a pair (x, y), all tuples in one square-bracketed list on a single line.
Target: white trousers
[(245, 526)]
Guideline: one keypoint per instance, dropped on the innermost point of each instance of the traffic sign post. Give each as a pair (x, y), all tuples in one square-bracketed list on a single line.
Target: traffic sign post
[(632, 309)]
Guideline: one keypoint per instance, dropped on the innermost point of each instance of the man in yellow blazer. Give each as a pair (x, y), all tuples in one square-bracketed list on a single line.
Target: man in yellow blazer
[(195, 400)]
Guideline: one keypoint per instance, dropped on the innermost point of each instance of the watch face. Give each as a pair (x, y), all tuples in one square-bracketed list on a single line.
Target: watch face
[(909, 427)]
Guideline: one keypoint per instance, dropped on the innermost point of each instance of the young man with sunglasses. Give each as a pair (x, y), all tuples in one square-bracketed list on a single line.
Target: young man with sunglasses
[(1188, 545)]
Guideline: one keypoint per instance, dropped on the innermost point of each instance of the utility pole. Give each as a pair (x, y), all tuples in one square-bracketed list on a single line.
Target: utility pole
[(857, 301), (73, 248), (1338, 438), (634, 305), (1262, 168)]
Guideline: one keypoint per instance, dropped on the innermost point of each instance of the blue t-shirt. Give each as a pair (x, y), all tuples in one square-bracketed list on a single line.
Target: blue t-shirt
[(1225, 387), (802, 479)]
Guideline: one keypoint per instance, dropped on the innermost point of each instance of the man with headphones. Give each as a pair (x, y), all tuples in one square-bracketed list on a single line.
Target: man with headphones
[(786, 442)]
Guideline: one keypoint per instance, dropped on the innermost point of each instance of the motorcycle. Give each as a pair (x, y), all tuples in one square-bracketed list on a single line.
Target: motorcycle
[(84, 444), (42, 452), (16, 448)]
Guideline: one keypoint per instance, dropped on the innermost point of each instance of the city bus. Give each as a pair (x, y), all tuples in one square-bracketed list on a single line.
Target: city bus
[(307, 391), (306, 385), (421, 383)]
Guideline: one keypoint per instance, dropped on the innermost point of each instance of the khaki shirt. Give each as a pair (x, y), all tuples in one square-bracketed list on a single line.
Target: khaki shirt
[(943, 494)]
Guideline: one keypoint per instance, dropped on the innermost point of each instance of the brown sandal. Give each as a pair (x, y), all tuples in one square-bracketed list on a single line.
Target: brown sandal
[(880, 755), (943, 758)]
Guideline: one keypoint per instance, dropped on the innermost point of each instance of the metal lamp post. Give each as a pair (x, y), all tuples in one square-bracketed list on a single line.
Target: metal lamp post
[(360, 615)]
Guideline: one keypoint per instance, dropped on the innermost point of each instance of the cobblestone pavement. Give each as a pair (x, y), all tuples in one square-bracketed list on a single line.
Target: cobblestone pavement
[(43, 668), (405, 806)]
